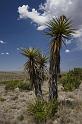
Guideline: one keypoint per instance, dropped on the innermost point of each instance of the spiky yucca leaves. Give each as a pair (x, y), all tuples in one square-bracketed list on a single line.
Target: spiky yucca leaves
[(59, 29), (30, 65), (41, 60), (35, 67)]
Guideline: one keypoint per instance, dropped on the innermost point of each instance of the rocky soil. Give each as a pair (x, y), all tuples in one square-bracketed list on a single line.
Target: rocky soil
[(13, 106)]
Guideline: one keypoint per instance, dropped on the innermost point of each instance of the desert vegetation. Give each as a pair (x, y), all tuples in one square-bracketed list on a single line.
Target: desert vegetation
[(71, 80), (51, 96), (18, 95)]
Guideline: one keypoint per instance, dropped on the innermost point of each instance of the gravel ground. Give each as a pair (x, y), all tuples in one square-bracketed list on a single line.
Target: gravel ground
[(13, 106)]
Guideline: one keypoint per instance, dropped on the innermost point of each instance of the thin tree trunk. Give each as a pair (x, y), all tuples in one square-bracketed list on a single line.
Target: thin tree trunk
[(35, 84), (34, 79), (53, 90), (39, 83), (39, 90), (36, 89), (54, 70)]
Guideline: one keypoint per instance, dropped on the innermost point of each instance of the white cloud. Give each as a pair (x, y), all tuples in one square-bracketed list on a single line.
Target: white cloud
[(67, 51), (2, 53), (18, 49), (78, 33), (7, 53), (50, 9), (78, 36), (36, 17), (55, 8), (41, 27), (2, 42), (68, 42)]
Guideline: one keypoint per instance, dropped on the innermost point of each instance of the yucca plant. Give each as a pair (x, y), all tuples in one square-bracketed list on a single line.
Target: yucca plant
[(30, 66), (41, 60), (35, 66), (59, 29)]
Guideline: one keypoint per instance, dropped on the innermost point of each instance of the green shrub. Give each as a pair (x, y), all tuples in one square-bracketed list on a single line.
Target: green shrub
[(11, 85), (70, 82), (77, 72), (42, 110), (24, 86), (52, 107), (38, 111)]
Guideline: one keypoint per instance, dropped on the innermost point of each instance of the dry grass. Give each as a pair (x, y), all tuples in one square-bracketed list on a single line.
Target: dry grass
[(69, 111), (6, 76)]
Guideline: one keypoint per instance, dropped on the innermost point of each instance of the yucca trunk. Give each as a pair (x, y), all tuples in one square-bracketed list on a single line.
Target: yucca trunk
[(54, 70), (35, 84), (53, 89), (33, 77), (40, 90), (36, 89), (39, 83)]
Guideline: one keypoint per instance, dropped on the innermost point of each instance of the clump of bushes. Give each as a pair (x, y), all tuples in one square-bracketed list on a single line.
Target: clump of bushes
[(42, 110), (70, 81), (77, 72), (24, 86), (11, 85)]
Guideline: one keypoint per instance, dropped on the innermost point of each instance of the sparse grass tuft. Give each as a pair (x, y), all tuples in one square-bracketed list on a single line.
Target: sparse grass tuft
[(42, 110), (25, 86), (11, 85)]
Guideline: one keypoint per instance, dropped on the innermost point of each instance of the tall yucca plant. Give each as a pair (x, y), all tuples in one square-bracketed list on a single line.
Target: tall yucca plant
[(30, 65), (41, 60), (59, 29)]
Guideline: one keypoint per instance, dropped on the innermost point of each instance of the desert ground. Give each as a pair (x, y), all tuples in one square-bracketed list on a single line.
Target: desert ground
[(14, 104)]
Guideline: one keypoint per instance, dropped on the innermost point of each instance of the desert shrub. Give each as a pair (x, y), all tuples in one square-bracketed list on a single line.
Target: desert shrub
[(24, 86), (42, 110), (11, 85), (52, 107), (77, 72), (70, 82), (37, 109)]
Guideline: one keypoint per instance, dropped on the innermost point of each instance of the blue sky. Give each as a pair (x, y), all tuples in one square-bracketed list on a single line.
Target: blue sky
[(22, 23)]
